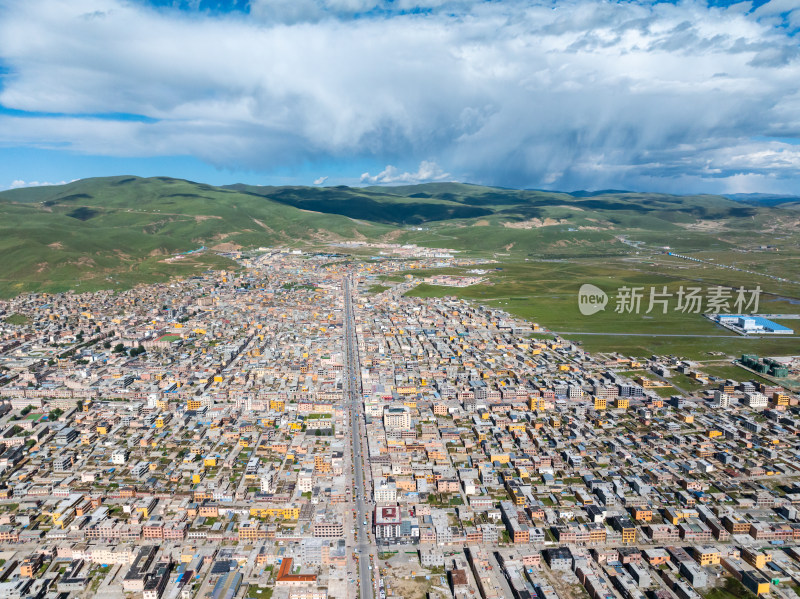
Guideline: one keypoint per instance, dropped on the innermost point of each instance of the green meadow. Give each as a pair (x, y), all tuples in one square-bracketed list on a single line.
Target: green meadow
[(546, 292)]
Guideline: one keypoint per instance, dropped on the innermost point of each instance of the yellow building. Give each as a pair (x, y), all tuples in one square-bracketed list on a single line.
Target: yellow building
[(600, 403), (707, 556), (755, 558), (62, 520), (287, 513), (762, 588), (629, 535), (622, 403), (536, 403), (780, 399), (516, 496)]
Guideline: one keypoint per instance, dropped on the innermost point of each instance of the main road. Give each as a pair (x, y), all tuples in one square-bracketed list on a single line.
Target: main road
[(352, 371)]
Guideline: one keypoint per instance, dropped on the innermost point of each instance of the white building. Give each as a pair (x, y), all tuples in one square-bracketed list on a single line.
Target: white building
[(755, 399), (385, 492), (267, 478), (397, 418), (305, 480), (120, 457)]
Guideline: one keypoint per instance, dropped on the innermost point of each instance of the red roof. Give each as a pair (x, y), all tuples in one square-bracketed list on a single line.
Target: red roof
[(284, 573)]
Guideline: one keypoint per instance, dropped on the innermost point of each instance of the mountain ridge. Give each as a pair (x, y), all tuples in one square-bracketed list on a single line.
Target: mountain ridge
[(119, 231)]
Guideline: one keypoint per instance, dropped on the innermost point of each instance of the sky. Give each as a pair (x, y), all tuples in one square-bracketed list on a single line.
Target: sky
[(685, 96)]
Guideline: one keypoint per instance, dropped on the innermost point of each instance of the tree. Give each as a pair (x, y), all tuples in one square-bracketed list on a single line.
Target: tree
[(119, 348), (107, 345)]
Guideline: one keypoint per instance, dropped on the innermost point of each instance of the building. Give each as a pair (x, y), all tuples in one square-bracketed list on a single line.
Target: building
[(385, 492), (387, 523), (397, 418), (721, 399), (559, 558)]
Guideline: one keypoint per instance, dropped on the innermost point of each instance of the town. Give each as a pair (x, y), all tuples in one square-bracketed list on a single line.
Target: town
[(300, 428)]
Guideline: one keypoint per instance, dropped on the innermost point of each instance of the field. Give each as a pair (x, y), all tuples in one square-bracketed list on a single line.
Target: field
[(257, 592), (377, 289), (546, 292), (17, 319), (730, 589), (730, 371)]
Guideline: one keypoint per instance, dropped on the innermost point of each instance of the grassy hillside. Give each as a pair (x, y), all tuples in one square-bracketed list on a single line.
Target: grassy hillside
[(371, 204), (118, 231), (417, 204)]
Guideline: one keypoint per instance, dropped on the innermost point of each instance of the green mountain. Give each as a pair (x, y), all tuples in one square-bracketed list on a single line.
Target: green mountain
[(115, 232)]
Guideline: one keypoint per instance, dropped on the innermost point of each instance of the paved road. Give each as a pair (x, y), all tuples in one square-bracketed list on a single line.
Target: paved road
[(364, 548)]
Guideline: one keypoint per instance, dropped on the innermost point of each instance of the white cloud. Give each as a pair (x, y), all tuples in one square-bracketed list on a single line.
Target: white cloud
[(320, 180), (427, 171), (569, 94), (17, 183)]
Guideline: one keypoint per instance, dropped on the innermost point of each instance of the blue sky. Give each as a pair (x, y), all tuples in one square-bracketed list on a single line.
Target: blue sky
[(680, 96)]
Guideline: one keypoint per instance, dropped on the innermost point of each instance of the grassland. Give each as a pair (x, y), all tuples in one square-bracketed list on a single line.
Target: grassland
[(731, 371), (730, 589), (257, 592), (546, 292), (378, 288), (17, 319)]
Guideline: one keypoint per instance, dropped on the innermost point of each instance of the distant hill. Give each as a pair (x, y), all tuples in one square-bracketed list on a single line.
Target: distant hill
[(765, 199), (118, 231)]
